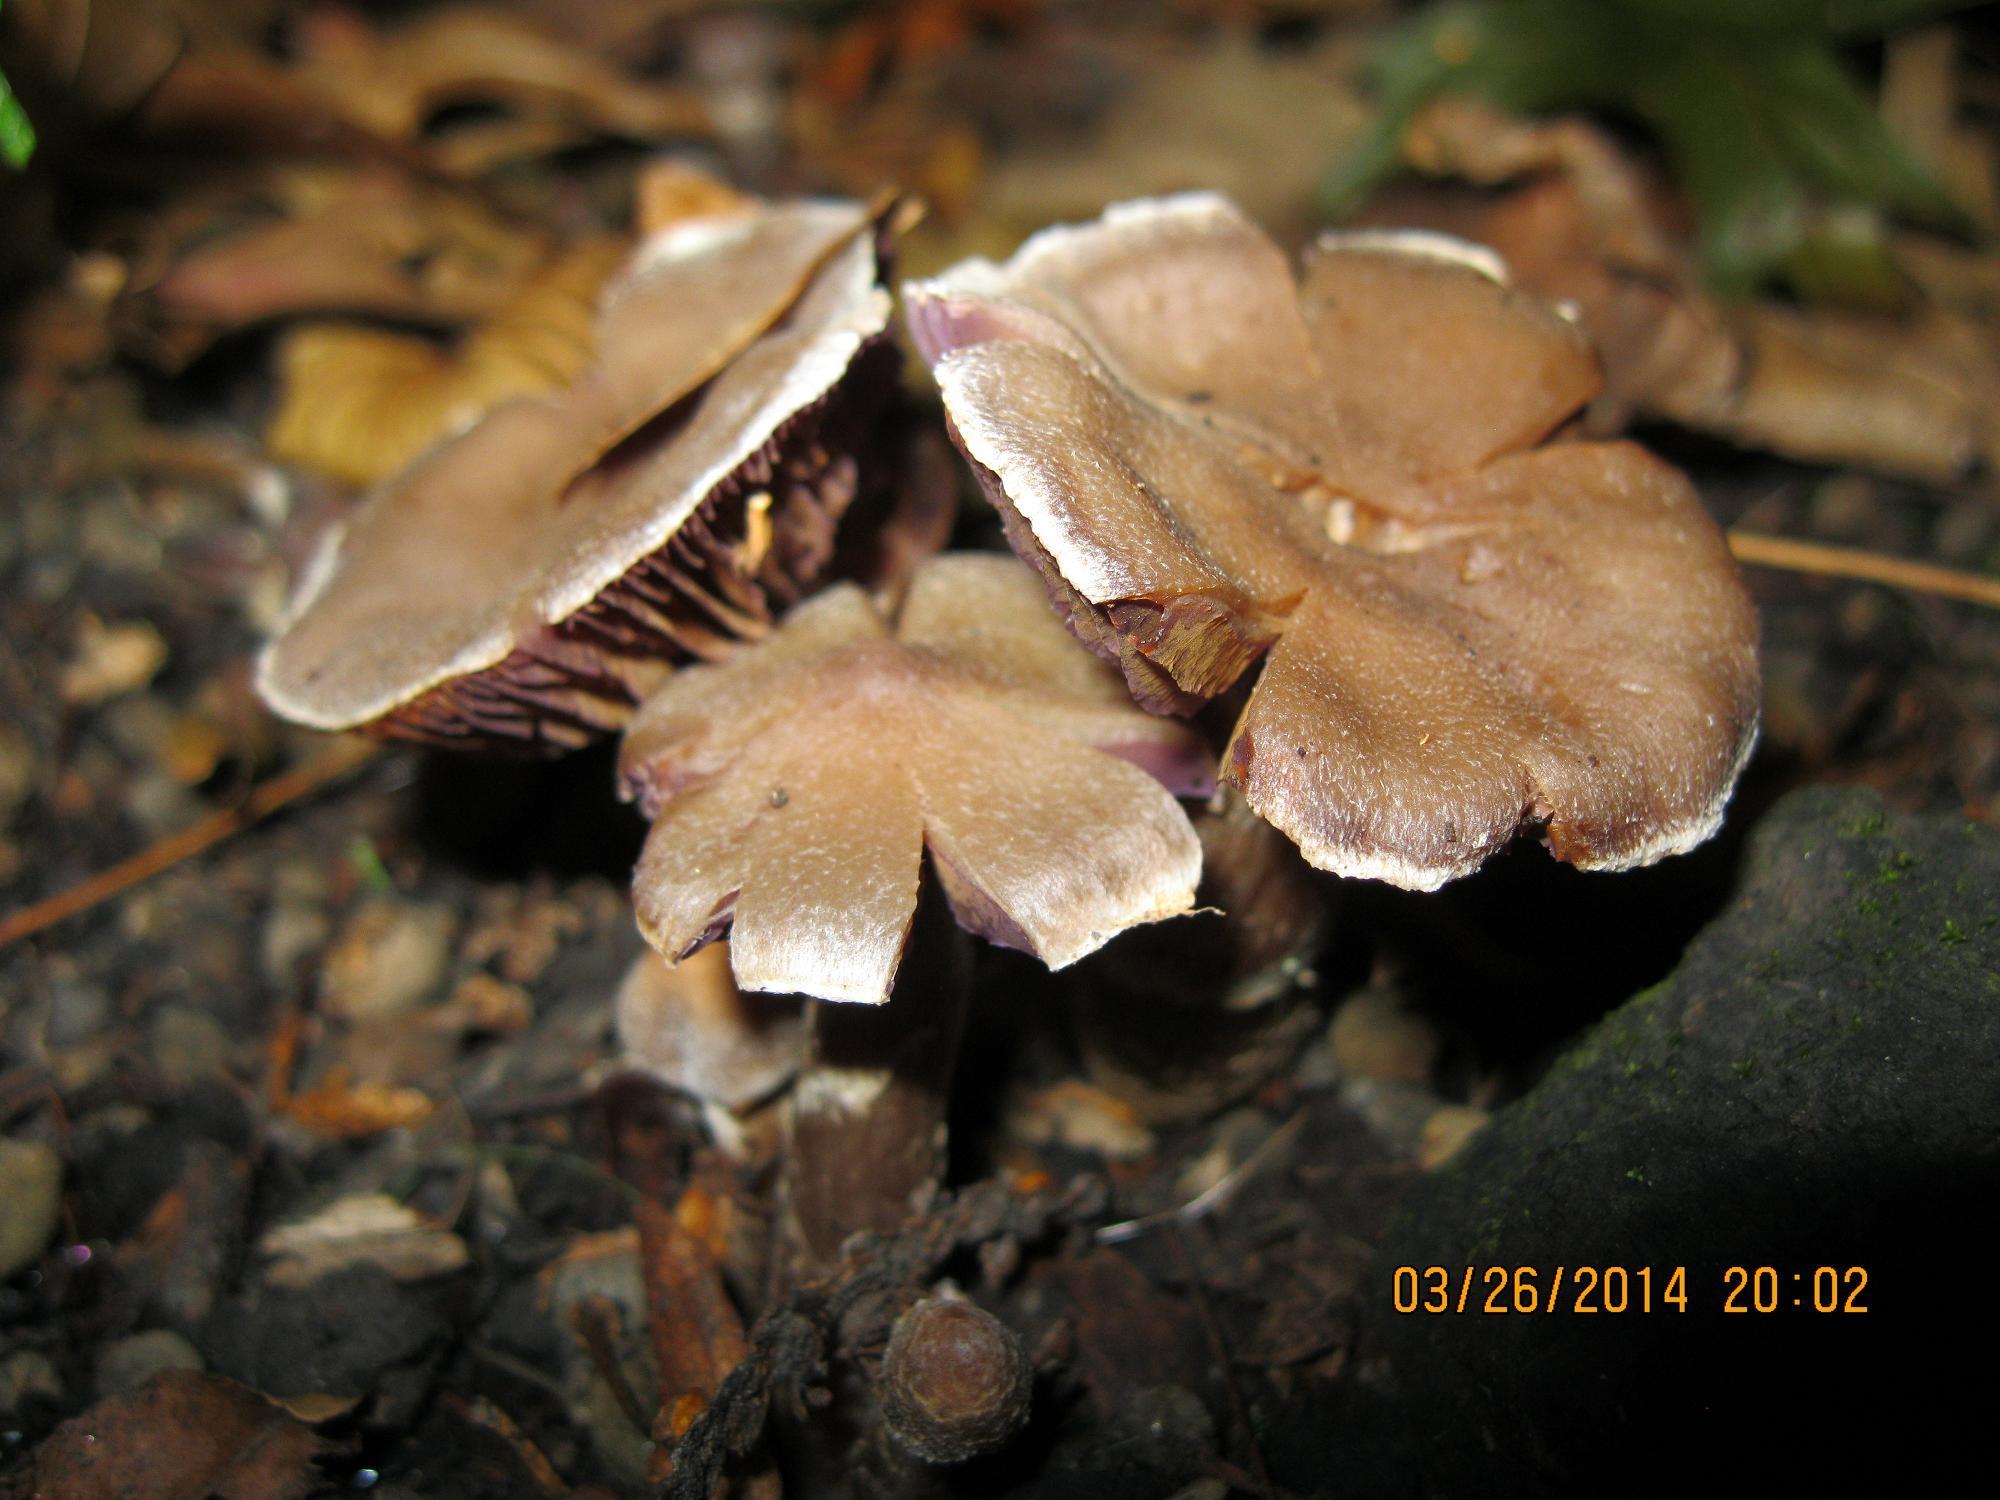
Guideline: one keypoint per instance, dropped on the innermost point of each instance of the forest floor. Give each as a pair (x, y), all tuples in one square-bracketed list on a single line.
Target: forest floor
[(322, 1167)]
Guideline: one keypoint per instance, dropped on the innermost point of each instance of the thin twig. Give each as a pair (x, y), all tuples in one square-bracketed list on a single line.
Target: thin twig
[(1764, 551), (1211, 1198), (264, 799)]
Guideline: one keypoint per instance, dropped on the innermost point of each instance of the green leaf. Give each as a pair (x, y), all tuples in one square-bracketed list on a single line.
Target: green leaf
[(17, 136)]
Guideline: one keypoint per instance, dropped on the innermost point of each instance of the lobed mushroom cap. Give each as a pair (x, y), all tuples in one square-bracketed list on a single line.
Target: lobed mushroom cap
[(794, 788), (456, 599), (1469, 636)]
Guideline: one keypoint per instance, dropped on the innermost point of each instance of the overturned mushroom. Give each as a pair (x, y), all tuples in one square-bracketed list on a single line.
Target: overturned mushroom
[(794, 789), (691, 1028), (1469, 636), (529, 580)]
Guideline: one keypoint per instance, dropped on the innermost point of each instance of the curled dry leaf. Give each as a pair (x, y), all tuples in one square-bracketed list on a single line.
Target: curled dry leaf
[(1584, 224), (1469, 636), (794, 788), (359, 403), (318, 240), (396, 82), (528, 580), (1575, 218)]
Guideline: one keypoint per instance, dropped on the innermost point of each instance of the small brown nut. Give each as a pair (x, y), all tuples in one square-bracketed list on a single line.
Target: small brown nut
[(954, 1383)]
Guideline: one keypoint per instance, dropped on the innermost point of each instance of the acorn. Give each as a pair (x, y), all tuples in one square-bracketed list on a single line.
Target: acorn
[(955, 1382)]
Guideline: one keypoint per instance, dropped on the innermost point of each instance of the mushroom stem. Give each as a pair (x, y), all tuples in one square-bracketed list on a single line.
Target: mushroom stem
[(867, 1147), (1187, 1017)]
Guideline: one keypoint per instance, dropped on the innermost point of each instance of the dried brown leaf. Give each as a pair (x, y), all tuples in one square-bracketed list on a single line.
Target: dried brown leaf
[(359, 403), (342, 1110), (181, 1436), (320, 240), (396, 81)]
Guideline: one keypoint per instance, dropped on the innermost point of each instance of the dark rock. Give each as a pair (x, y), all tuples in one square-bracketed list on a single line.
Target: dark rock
[(350, 1333), (1816, 1090)]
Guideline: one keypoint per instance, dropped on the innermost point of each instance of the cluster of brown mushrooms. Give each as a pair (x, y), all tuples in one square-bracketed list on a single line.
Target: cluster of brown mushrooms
[(1352, 483)]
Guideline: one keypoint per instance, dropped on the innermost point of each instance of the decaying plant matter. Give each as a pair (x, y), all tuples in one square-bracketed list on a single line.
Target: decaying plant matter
[(528, 581), (1470, 636)]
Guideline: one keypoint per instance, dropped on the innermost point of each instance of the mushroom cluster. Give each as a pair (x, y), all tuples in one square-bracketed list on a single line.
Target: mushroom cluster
[(1356, 484)]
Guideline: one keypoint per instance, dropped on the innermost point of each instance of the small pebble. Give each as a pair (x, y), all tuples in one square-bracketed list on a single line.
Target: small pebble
[(1375, 1037), (27, 1374), (187, 1046), (130, 1362), (387, 960), (31, 1187)]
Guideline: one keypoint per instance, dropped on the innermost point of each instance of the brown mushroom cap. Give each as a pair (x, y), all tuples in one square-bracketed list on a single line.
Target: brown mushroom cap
[(794, 787), (1469, 636), (530, 578)]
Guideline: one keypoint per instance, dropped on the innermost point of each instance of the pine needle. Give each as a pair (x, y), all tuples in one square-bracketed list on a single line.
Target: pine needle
[(264, 799), (1763, 551)]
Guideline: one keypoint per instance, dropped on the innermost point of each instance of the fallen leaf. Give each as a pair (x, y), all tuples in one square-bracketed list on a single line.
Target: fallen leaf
[(360, 1229), (341, 1110), (1082, 1117), (182, 1436), (359, 403), (1790, 166), (110, 661), (396, 81), (295, 241)]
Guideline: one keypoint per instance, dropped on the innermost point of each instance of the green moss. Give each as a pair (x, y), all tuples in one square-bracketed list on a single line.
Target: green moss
[(1743, 1067), (1952, 935), (1892, 870), (1864, 827)]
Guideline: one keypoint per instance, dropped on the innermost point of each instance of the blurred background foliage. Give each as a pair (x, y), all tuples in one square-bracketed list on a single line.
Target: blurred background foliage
[(17, 136), (1789, 166)]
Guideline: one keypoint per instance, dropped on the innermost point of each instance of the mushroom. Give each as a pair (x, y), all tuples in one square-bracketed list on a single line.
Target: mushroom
[(1191, 1016), (1470, 636), (692, 1029), (529, 580), (794, 789)]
